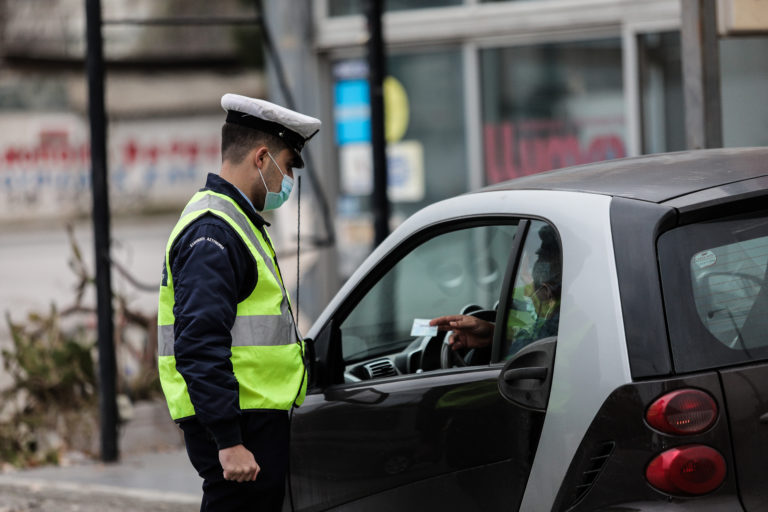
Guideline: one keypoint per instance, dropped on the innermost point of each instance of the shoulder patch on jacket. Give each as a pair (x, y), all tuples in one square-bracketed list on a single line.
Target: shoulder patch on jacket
[(206, 239)]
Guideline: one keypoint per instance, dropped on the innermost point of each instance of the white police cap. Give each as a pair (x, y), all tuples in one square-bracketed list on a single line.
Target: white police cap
[(294, 128)]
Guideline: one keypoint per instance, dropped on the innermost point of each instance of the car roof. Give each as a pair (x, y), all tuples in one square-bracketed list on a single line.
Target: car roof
[(653, 178)]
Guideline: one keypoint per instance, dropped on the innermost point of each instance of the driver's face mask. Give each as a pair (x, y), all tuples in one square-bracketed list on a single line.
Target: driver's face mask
[(274, 200)]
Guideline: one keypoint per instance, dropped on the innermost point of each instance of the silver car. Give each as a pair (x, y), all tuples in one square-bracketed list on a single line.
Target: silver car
[(624, 368)]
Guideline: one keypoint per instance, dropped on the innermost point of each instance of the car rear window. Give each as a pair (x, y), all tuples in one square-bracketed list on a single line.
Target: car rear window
[(713, 278)]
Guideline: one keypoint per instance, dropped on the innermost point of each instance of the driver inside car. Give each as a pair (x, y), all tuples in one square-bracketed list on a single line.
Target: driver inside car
[(543, 293)]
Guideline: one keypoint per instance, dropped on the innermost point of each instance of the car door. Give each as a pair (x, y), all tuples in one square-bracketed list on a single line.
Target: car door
[(393, 417)]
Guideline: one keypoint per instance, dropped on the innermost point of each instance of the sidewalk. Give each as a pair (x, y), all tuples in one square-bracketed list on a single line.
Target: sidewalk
[(148, 482)]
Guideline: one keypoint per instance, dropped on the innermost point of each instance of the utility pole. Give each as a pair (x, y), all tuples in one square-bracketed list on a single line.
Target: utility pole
[(376, 73), (701, 74), (99, 191)]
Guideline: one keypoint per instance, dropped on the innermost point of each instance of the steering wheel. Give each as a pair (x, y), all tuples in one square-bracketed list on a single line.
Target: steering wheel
[(449, 357)]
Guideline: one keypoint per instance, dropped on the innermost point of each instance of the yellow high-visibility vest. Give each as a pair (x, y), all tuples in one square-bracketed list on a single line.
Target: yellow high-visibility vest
[(267, 354)]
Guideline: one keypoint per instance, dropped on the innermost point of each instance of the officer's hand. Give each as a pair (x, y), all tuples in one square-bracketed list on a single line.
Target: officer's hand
[(468, 331), (238, 464)]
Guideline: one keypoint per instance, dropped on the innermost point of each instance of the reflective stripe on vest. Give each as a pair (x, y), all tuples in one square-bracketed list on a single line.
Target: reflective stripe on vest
[(266, 357)]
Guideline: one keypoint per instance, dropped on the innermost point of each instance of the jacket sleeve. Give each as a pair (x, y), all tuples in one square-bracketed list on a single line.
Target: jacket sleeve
[(210, 267)]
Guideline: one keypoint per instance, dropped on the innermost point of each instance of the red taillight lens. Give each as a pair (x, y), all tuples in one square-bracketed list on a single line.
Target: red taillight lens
[(685, 411), (693, 469)]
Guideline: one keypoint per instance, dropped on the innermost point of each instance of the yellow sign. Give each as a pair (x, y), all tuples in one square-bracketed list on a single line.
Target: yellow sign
[(396, 110)]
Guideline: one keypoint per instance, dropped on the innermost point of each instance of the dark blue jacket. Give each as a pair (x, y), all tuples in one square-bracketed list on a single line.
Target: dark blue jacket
[(209, 279)]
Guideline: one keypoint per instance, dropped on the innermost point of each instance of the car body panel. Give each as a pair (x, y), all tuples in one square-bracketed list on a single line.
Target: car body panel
[(746, 391), (461, 490), (713, 504), (719, 195), (591, 334), (636, 226), (623, 444), (356, 444)]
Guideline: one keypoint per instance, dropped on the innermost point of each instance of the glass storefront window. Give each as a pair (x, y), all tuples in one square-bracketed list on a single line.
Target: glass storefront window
[(744, 88), (426, 150), (348, 7), (551, 105), (744, 92), (662, 101)]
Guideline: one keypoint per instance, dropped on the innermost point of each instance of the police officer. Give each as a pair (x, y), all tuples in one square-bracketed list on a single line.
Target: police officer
[(230, 356)]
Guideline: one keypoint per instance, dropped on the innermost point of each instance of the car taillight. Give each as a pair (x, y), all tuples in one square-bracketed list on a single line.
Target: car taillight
[(685, 411), (689, 470)]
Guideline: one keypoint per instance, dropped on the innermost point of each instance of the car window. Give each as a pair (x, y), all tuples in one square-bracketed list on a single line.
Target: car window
[(714, 276), (533, 313), (726, 285), (446, 274)]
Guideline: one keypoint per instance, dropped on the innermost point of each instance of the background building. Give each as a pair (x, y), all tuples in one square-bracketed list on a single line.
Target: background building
[(162, 83), (480, 91)]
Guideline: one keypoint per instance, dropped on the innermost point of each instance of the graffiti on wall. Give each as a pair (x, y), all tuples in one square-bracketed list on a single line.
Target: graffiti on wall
[(527, 147), (45, 164)]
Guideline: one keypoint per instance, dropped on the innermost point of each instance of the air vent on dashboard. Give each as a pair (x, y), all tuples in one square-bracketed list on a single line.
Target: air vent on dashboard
[(380, 368)]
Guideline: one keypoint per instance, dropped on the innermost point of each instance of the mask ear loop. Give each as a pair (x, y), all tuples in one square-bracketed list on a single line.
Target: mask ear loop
[(274, 162), (262, 178)]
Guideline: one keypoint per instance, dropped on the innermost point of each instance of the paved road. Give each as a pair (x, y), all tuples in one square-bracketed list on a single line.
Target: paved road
[(62, 499), (162, 481)]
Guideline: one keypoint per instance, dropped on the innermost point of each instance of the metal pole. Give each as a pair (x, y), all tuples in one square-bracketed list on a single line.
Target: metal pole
[(97, 115), (701, 74), (376, 73)]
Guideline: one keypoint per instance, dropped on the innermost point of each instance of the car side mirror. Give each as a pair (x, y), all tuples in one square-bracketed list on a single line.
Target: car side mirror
[(326, 363)]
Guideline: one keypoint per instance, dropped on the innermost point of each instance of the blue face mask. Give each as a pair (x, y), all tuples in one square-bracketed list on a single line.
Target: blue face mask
[(274, 200)]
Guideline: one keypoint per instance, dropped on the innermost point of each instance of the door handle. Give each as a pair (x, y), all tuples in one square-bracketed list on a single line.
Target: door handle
[(764, 418), (534, 372)]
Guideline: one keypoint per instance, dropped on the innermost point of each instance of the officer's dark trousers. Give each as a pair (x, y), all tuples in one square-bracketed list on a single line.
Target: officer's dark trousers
[(265, 434)]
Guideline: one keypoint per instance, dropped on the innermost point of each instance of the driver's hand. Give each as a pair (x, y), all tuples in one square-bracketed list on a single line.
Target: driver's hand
[(468, 331)]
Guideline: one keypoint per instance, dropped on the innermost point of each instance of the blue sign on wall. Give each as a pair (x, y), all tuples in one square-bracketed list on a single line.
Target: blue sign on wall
[(352, 111)]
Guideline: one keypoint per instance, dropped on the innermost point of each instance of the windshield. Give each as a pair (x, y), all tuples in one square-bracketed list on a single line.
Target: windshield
[(714, 277)]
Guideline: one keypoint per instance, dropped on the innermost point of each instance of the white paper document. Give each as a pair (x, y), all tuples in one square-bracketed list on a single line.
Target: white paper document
[(421, 327)]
